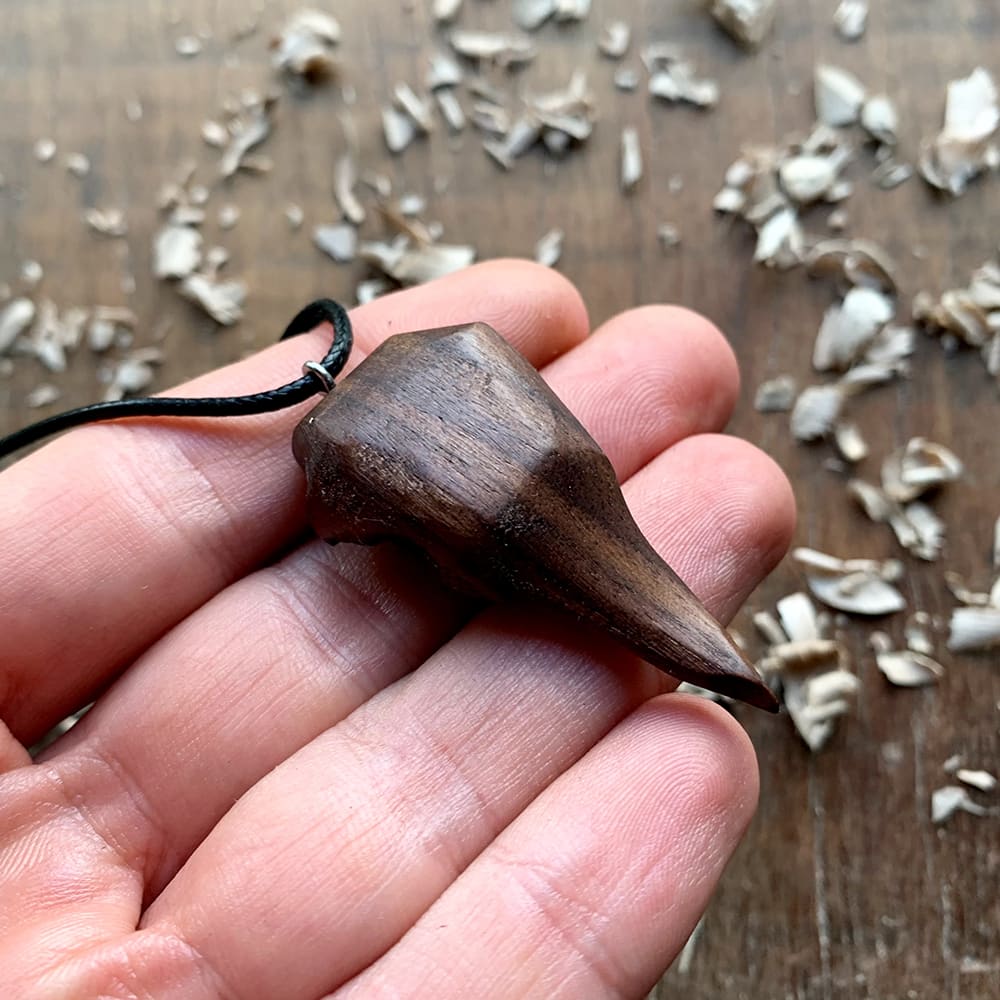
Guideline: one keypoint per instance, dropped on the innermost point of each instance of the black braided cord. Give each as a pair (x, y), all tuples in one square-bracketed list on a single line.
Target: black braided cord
[(320, 311)]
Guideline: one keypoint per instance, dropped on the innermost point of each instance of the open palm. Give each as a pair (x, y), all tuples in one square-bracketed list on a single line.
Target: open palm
[(313, 770)]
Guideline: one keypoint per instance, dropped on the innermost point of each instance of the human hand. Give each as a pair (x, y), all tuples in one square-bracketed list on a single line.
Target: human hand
[(269, 798)]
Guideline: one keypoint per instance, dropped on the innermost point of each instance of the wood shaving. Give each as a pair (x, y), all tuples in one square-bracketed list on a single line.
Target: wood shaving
[(222, 300), (443, 72), (247, 129), (532, 14), (920, 465), (78, 164), (676, 82), (982, 780), (345, 178), (133, 374), (106, 221), (446, 10), (962, 149), (905, 667), (808, 177), (855, 263), (748, 21), (850, 442), (45, 150), (371, 289), (548, 249), (418, 108), (31, 273), (410, 264), (15, 318), (614, 39), (780, 240), (42, 395), (294, 216), (187, 46), (816, 411), (339, 241), (811, 672), (398, 128), (851, 19), (496, 47), (176, 251), (229, 216), (854, 586), (305, 46), (776, 395), (950, 799), (572, 10), (626, 78), (631, 159), (450, 108), (214, 134), (880, 119), (974, 629), (889, 175), (839, 96), (848, 329)]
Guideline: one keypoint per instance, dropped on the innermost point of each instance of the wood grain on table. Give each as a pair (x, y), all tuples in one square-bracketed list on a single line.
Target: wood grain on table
[(843, 888)]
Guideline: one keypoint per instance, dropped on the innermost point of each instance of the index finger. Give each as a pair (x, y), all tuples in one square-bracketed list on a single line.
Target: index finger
[(116, 532)]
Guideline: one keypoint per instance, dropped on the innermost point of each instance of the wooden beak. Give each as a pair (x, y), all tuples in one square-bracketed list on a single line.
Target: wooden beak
[(449, 440)]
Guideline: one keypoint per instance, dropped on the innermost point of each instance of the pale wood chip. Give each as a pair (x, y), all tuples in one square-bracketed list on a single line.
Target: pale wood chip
[(851, 19), (338, 241), (982, 780), (748, 21), (42, 395), (614, 39), (839, 96), (777, 395), (222, 300), (631, 159), (16, 317), (950, 799), (176, 251), (548, 249)]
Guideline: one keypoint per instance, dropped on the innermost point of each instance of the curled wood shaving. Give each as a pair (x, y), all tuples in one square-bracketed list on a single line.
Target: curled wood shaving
[(748, 21), (305, 45), (920, 465), (676, 82), (963, 149), (849, 328), (850, 19), (776, 395), (982, 780), (450, 108), (950, 799), (854, 586), (904, 667)]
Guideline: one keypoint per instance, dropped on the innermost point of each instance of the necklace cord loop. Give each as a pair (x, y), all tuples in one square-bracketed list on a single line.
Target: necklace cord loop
[(317, 377)]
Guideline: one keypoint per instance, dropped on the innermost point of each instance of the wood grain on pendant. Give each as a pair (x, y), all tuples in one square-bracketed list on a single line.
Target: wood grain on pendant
[(449, 440)]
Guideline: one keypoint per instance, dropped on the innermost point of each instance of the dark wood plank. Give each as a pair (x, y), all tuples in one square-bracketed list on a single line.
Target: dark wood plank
[(842, 888)]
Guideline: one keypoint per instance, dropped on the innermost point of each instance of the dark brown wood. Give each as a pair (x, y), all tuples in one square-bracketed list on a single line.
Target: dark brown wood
[(449, 440), (842, 890)]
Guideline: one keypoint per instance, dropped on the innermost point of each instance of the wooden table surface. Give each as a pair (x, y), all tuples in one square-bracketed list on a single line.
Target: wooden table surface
[(843, 888)]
